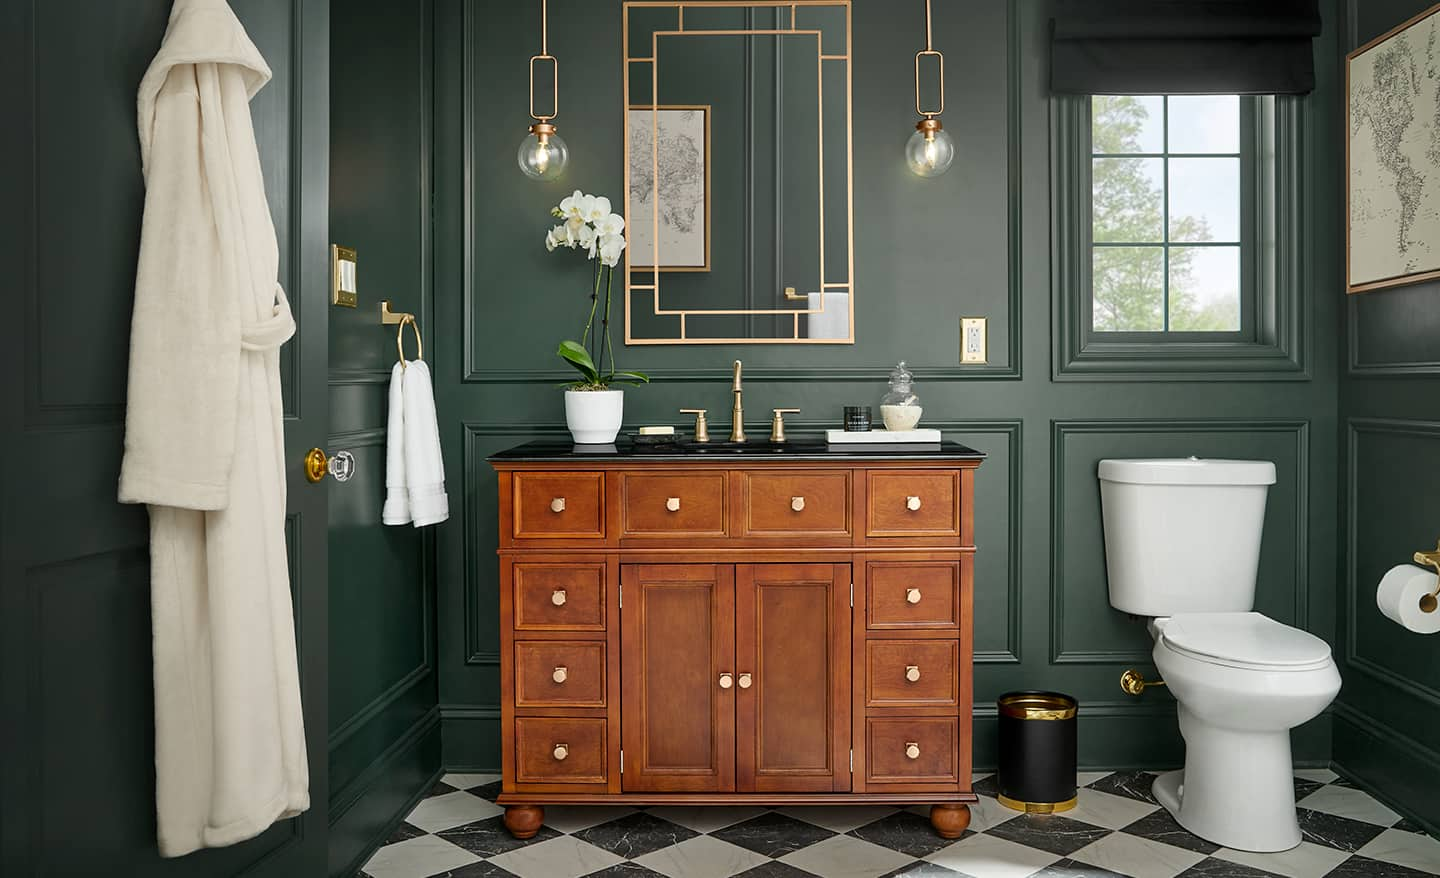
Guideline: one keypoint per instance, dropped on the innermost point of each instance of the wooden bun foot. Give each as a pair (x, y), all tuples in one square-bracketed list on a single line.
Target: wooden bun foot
[(949, 820), (524, 821)]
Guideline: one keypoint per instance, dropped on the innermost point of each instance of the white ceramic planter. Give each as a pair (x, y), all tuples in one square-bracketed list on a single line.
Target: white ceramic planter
[(593, 416)]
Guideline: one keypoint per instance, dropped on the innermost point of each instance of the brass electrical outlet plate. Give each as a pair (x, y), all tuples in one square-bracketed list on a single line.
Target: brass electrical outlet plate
[(974, 347), (343, 269)]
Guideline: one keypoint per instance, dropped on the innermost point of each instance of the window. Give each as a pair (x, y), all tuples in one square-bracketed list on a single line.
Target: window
[(1180, 237), (1166, 233)]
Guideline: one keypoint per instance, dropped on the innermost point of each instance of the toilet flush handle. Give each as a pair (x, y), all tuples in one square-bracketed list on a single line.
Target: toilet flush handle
[(1132, 683)]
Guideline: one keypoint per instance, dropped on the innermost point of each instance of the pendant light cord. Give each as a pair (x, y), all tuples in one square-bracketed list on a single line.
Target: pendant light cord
[(928, 46)]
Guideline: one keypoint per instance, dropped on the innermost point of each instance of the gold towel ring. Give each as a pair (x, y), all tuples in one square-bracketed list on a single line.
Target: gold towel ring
[(400, 339)]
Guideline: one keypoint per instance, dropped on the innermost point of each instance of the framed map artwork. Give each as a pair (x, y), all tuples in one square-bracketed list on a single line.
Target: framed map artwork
[(1392, 109), (669, 170)]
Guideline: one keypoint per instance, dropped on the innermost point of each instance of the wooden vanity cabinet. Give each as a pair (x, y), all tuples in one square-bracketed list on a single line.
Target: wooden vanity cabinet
[(735, 631)]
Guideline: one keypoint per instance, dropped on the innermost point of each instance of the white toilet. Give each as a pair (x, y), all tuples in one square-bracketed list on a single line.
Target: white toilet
[(1182, 545)]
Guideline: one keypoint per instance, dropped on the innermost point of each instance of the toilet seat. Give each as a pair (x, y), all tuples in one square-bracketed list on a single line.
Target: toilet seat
[(1244, 640)]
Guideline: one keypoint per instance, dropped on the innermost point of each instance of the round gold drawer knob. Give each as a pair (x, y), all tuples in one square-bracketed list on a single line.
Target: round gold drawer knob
[(557, 504), (912, 673), (912, 503), (726, 681), (557, 597), (672, 504), (561, 751), (797, 504), (912, 595), (745, 681), (912, 750), (560, 675)]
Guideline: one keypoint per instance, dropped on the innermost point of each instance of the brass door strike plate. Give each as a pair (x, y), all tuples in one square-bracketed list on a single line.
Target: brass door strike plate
[(342, 277)]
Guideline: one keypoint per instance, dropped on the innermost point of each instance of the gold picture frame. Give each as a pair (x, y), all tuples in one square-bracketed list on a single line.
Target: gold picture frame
[(638, 223)]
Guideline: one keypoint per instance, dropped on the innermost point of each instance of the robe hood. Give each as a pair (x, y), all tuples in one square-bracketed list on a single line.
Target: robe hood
[(199, 32)]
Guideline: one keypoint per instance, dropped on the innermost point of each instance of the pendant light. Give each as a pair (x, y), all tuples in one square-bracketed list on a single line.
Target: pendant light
[(543, 155), (930, 149)]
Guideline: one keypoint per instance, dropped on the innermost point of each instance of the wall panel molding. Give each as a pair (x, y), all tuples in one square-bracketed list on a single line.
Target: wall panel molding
[(1061, 430)]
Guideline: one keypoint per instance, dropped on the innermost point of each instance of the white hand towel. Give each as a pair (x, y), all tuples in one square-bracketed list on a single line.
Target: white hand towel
[(424, 469), (397, 496)]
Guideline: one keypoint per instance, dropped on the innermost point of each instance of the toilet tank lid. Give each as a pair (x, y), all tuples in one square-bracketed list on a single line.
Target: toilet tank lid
[(1188, 471)]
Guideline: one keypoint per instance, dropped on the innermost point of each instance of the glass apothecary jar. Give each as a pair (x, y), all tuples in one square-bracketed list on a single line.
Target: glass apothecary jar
[(900, 408)]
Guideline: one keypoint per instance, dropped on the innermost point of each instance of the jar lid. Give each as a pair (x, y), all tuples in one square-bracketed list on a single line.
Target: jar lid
[(901, 375)]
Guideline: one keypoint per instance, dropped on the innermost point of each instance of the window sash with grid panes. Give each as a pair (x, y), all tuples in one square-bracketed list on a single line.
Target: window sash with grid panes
[(1169, 181)]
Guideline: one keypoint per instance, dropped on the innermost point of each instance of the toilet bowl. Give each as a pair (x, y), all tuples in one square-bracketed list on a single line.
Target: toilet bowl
[(1242, 682)]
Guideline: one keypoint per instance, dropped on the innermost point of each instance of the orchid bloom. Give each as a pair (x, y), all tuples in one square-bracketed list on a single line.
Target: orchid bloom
[(612, 224), (570, 205), (611, 246)]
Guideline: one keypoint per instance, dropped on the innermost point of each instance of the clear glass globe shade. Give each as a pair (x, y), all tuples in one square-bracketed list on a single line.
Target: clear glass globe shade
[(930, 157), (543, 161)]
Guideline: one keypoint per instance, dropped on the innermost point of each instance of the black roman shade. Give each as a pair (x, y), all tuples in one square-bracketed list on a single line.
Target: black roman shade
[(1183, 46)]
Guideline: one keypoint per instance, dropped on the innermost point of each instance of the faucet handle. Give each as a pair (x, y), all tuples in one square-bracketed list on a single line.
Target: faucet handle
[(777, 426), (702, 429)]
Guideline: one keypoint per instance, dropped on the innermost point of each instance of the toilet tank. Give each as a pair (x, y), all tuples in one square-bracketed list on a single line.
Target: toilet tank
[(1183, 535)]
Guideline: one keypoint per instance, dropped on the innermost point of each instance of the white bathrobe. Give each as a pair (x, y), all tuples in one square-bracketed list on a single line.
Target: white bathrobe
[(204, 445)]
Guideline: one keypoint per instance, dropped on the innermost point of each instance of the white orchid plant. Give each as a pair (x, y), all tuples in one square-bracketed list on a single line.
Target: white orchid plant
[(590, 225)]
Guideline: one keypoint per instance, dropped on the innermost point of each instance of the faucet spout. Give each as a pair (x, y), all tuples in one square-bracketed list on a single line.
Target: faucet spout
[(737, 426)]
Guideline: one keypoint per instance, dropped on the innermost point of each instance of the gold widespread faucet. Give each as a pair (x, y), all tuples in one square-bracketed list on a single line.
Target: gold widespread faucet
[(737, 426)]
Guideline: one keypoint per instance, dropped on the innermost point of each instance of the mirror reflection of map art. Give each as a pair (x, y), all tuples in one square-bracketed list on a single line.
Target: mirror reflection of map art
[(1393, 189), (676, 177)]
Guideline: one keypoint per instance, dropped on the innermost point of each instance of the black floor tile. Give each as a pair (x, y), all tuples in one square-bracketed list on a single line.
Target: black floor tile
[(773, 834), (403, 832), (1130, 784), (626, 870), (1049, 832), (1210, 867), (635, 835), (489, 837), (1068, 868), (1161, 826), (922, 869), (1356, 867), (775, 870), (904, 832), (1333, 831)]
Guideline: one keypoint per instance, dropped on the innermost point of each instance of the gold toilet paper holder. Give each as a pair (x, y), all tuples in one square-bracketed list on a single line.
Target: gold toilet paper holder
[(1430, 601)]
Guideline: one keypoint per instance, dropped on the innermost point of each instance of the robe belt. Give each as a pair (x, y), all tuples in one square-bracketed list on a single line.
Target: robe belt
[(270, 332)]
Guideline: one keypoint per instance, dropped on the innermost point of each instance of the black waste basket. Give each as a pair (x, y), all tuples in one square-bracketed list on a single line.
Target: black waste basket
[(1037, 751)]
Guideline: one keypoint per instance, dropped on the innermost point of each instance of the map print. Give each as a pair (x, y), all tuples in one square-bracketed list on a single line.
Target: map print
[(672, 178), (1394, 132)]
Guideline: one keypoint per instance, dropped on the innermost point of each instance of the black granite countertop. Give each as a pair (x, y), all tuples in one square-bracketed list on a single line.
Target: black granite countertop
[(809, 448)]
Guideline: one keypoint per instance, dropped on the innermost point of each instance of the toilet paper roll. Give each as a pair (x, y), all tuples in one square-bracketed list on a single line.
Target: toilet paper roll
[(1399, 598)]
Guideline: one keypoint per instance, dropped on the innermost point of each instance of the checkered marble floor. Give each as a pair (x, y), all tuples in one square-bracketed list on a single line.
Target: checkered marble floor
[(1117, 829)]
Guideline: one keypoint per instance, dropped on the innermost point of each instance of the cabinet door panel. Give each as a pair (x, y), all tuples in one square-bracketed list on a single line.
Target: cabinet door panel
[(678, 637), (793, 640)]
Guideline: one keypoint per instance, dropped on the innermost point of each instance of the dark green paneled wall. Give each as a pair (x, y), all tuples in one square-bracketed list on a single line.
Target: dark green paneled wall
[(1389, 708), (974, 242)]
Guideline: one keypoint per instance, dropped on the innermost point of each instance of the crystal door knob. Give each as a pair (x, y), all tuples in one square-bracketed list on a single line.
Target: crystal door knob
[(912, 673), (557, 504), (726, 681), (557, 597), (560, 674), (561, 751), (340, 467), (797, 504), (745, 681), (912, 750), (912, 595), (912, 503), (672, 504)]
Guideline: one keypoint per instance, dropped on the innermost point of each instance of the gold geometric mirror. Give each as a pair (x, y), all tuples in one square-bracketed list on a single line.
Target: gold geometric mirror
[(738, 172)]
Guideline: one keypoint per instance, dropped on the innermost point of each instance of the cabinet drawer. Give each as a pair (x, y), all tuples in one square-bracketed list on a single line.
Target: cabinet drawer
[(796, 503), (889, 665), (559, 597), (558, 673), (556, 506), (551, 750), (688, 504), (912, 594), (912, 749), (913, 503)]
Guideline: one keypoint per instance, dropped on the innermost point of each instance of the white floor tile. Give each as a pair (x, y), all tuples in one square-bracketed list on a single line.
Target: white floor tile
[(1318, 775), (842, 856), (1405, 848), (992, 857), (466, 781), (573, 818), (706, 818), (422, 855), (979, 776), (1306, 861), (439, 813), (1352, 803), (1107, 810), (1137, 857), (1085, 778), (702, 857), (563, 857), (839, 818)]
